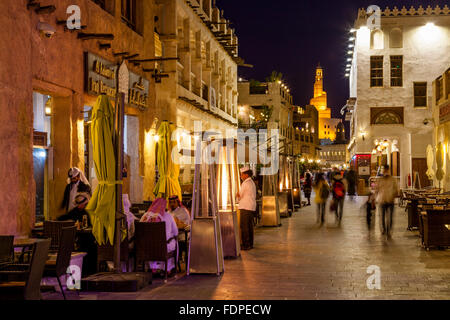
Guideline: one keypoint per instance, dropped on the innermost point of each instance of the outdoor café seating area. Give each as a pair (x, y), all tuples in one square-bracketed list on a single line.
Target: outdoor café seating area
[(58, 252), (429, 213)]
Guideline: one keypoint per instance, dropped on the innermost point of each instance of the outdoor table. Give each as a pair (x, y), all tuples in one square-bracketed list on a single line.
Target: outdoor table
[(25, 244), (436, 226), (413, 214), (76, 260)]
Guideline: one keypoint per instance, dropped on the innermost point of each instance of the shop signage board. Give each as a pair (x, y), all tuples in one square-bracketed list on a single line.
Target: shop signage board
[(100, 76), (363, 163), (444, 112), (138, 91)]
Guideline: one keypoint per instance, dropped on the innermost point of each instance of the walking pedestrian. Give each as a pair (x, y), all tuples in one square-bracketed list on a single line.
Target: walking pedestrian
[(307, 187), (247, 207), (370, 207), (351, 182), (338, 192), (386, 192), (322, 190)]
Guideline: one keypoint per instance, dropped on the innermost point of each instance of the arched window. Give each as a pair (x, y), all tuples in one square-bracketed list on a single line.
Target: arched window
[(396, 38), (376, 39)]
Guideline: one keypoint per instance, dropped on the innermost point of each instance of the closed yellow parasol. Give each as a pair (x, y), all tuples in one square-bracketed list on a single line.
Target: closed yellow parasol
[(169, 171), (102, 206)]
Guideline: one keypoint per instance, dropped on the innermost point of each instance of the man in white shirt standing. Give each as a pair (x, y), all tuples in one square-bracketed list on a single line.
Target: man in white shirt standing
[(247, 207)]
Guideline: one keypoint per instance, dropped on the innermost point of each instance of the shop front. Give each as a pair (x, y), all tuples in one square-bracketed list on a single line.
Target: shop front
[(100, 78), (439, 158), (42, 152)]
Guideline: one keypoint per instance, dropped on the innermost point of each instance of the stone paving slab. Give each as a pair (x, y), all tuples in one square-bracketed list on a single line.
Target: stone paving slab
[(299, 260)]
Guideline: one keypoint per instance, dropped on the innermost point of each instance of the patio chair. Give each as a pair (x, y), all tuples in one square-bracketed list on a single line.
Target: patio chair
[(106, 253), (52, 230), (30, 275), (57, 268), (151, 244), (6, 250)]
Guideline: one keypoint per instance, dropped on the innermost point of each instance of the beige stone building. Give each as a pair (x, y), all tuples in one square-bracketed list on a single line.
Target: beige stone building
[(50, 79), (327, 125), (441, 123), (306, 133), (335, 154), (256, 98), (391, 73), (202, 84)]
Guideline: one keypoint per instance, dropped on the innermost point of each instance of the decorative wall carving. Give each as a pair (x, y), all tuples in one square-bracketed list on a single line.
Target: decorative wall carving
[(411, 12), (386, 115)]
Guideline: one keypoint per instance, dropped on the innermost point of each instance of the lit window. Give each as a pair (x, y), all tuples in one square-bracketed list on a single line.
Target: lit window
[(396, 71), (420, 94), (376, 71)]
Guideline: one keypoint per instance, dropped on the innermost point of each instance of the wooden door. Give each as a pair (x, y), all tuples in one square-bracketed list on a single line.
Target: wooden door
[(420, 165), (395, 164)]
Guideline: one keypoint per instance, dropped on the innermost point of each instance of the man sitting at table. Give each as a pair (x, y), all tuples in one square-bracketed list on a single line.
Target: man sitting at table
[(77, 213), (181, 216), (157, 213), (179, 213)]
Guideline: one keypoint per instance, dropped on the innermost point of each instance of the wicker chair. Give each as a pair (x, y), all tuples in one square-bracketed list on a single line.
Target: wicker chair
[(6, 250), (151, 244), (29, 276), (59, 267), (106, 253), (52, 230)]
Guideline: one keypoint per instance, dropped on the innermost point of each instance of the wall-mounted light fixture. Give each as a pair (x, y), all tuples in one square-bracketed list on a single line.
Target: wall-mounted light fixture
[(363, 135)]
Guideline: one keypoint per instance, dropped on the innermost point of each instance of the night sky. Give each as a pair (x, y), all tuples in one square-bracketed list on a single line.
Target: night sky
[(292, 36)]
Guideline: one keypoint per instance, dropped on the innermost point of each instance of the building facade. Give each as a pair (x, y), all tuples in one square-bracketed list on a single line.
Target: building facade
[(391, 74), (50, 78), (267, 105), (306, 133), (335, 154), (202, 84), (441, 134), (327, 125)]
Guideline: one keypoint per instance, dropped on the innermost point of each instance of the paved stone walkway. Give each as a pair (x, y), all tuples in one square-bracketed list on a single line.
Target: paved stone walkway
[(301, 261)]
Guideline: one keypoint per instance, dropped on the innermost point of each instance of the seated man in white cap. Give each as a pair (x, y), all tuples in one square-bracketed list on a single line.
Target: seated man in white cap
[(76, 183), (77, 213), (247, 207)]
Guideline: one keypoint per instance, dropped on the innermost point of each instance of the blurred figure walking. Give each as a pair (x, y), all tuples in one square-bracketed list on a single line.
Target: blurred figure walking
[(386, 192), (370, 207), (351, 181), (338, 191), (307, 187), (322, 190)]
